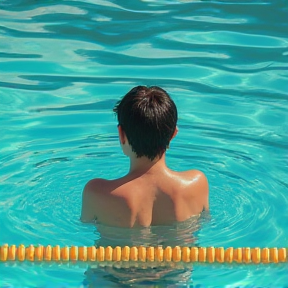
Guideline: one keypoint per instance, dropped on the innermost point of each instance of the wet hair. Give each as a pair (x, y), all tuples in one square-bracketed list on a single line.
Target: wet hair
[(148, 116)]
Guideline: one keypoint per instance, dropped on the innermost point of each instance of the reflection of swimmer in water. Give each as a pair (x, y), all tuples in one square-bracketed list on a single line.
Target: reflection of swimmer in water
[(137, 277), (152, 274), (150, 194)]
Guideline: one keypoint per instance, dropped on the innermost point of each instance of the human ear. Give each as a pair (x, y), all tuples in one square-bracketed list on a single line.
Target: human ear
[(175, 132), (121, 135)]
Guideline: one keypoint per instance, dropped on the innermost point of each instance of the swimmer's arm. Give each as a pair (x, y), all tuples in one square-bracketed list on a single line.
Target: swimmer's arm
[(88, 204), (204, 195), (201, 187)]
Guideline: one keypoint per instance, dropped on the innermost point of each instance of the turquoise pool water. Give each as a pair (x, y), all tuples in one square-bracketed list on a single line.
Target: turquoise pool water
[(63, 66)]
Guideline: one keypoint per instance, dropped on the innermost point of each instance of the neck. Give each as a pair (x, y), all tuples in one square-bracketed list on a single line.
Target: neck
[(143, 164)]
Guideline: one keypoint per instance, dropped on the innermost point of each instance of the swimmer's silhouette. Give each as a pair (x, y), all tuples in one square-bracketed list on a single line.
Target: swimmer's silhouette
[(150, 194)]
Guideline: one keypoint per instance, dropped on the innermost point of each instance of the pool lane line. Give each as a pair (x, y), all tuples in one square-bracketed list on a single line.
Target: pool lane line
[(142, 254)]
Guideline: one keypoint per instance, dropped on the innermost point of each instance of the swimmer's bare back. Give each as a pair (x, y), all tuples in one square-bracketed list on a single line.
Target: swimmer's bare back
[(150, 194), (158, 196)]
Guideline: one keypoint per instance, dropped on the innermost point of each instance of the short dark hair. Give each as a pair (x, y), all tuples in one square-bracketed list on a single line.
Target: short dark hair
[(148, 117)]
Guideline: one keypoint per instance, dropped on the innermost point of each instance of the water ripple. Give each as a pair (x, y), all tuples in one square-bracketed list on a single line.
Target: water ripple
[(65, 65)]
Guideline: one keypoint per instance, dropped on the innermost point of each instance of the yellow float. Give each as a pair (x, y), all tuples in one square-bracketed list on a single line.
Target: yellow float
[(141, 254)]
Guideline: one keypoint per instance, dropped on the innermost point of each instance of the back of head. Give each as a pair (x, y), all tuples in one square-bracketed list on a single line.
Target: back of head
[(148, 117)]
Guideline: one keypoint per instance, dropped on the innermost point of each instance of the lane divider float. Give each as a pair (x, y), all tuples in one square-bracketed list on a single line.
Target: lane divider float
[(141, 254)]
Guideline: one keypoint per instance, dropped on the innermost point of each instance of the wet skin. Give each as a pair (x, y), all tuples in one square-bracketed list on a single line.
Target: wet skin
[(150, 194)]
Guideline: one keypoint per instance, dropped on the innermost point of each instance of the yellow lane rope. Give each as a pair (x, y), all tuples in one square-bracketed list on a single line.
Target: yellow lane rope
[(142, 254)]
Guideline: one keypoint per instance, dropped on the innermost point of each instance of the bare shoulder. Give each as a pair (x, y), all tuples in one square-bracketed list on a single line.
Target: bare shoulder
[(198, 176), (198, 187), (91, 194), (194, 176), (95, 185)]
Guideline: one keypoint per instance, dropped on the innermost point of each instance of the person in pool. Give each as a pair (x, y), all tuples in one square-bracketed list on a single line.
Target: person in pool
[(151, 193)]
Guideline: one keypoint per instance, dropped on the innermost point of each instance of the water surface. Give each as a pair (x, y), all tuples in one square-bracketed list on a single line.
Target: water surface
[(63, 67)]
